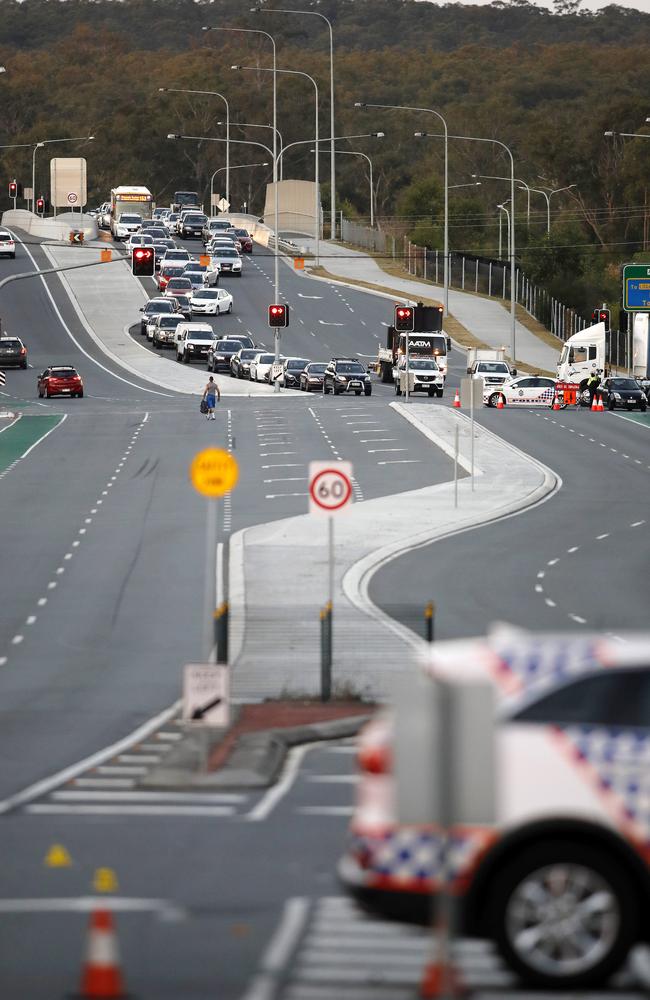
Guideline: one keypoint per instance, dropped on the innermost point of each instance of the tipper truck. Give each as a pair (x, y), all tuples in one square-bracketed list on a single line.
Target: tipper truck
[(429, 341)]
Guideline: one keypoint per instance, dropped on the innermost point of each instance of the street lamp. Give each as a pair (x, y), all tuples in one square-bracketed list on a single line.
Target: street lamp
[(238, 166), (256, 125), (315, 13), (3, 69), (258, 31), (471, 184), (430, 111), (295, 72), (524, 187), (356, 152), (497, 142), (46, 142), (548, 194), (209, 93)]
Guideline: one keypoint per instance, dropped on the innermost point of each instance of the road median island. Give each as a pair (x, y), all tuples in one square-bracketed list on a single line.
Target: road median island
[(23, 434)]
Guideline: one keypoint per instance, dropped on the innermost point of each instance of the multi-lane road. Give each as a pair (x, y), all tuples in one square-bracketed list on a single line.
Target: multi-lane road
[(102, 544)]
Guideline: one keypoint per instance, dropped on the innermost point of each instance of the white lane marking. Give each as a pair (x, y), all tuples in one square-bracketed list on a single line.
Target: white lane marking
[(3, 660), (376, 440), (334, 779), (400, 461), (126, 769), (120, 809), (264, 985), (100, 782), (325, 810), (290, 479), (373, 430), (30, 620), (276, 496), (574, 548), (185, 798), (323, 323), (637, 524), (599, 538), (552, 562), (539, 589), (42, 601), (17, 639), (51, 586), (137, 758), (46, 785), (284, 465), (549, 602), (270, 454), (541, 574), (269, 801), (377, 451), (578, 619)]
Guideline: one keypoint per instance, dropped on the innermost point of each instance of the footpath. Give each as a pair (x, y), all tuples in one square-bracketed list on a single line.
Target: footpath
[(486, 319)]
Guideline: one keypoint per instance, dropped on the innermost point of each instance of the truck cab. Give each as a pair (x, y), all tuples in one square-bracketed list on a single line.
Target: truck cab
[(582, 354)]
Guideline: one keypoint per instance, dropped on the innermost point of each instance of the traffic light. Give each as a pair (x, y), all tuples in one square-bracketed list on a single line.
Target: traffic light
[(404, 319), (278, 315), (40, 206), (602, 316), (143, 262), (13, 189)]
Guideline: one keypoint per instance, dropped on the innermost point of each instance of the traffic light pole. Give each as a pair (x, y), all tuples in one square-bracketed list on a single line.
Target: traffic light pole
[(54, 270)]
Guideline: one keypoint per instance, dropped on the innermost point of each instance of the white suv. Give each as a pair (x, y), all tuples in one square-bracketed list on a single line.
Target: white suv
[(193, 341), (561, 880)]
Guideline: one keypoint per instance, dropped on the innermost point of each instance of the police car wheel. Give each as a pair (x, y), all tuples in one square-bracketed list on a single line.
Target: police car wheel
[(564, 914), (494, 399)]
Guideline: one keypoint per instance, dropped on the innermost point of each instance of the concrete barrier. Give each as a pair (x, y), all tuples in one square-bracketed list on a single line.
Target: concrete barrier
[(50, 228)]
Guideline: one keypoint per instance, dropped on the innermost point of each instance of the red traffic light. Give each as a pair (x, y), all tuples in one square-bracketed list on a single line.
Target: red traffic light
[(278, 315), (40, 205), (404, 319), (13, 189), (143, 263)]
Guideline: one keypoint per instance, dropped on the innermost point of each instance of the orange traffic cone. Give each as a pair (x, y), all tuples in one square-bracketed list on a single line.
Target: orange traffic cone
[(594, 404), (457, 400), (556, 403), (500, 402), (101, 975), (601, 408)]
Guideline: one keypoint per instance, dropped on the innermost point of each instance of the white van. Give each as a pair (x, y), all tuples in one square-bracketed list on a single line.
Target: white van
[(193, 341)]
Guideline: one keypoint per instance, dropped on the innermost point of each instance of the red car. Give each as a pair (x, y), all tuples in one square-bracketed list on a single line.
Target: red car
[(245, 240), (168, 271), (60, 380)]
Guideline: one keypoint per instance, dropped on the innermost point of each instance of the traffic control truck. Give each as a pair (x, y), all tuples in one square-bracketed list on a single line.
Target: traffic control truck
[(428, 340), (583, 354)]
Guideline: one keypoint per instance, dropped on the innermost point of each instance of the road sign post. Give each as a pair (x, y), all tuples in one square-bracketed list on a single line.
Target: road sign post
[(471, 397), (213, 473), (330, 492)]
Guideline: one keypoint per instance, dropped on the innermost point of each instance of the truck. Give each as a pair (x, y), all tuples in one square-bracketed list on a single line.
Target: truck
[(129, 200), (582, 354), (429, 342), (641, 351), (185, 199), (475, 354)]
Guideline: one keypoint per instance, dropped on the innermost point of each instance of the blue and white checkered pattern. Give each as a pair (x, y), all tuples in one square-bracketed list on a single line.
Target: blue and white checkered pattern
[(411, 855), (620, 765), (533, 666)]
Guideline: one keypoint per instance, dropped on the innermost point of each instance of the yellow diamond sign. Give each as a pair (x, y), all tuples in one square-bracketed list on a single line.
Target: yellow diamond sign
[(214, 472)]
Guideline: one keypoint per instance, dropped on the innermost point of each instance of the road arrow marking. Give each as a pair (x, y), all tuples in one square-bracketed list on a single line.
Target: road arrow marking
[(301, 296), (323, 323)]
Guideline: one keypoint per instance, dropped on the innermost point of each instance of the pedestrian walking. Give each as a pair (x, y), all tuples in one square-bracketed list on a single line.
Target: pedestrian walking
[(211, 394)]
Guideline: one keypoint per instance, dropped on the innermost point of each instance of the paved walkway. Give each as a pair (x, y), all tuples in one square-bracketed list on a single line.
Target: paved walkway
[(279, 571), (486, 319)]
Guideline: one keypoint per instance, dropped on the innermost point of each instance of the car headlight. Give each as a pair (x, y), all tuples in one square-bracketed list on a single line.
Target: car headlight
[(616, 395), (340, 378)]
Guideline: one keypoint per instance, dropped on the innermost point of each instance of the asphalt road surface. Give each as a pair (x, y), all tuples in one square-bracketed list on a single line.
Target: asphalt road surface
[(101, 599)]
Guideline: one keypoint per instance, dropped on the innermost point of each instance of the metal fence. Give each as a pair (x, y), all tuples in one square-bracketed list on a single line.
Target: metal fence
[(363, 236)]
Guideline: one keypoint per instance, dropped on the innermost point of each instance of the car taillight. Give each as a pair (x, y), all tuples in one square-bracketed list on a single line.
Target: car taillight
[(374, 759), (23, 350)]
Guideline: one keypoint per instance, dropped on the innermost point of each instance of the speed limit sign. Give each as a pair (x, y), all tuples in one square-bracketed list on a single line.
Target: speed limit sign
[(330, 487)]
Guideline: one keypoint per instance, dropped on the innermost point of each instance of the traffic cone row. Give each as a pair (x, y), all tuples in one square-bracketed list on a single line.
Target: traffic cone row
[(597, 404), (101, 975), (457, 401)]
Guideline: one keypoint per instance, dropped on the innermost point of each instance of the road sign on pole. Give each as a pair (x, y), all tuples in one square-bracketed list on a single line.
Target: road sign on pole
[(223, 205), (330, 487), (206, 694), (214, 472), (636, 288)]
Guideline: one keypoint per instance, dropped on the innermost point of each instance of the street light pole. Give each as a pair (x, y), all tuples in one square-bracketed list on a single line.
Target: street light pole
[(258, 31), (209, 93), (497, 142), (356, 152), (548, 194), (295, 72), (430, 111), (504, 209), (524, 187), (315, 13)]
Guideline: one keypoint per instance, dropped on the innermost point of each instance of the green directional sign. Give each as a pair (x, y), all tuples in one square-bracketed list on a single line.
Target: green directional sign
[(636, 287)]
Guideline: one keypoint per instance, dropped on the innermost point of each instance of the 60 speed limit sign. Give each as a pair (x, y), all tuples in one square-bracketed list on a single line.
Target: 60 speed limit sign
[(330, 487)]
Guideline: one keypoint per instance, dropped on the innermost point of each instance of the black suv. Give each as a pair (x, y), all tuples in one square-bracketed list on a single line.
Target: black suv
[(347, 375), (193, 226), (12, 352), (220, 353)]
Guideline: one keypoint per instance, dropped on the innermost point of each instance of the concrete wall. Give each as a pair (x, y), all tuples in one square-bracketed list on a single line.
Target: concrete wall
[(54, 229), (296, 207)]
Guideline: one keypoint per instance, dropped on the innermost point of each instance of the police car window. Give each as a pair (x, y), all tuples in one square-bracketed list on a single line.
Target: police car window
[(525, 383), (610, 698)]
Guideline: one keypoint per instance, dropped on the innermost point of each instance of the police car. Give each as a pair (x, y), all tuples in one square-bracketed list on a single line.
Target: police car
[(525, 390), (561, 880)]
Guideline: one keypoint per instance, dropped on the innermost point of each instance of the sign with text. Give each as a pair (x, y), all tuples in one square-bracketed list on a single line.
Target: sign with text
[(68, 181), (206, 694), (330, 487), (636, 288), (214, 472)]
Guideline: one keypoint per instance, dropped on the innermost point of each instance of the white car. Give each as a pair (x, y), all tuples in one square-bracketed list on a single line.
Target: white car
[(125, 225), (560, 879), (201, 275), (177, 255), (7, 244), (426, 376), (211, 301), (260, 370), (137, 240), (228, 260), (525, 390)]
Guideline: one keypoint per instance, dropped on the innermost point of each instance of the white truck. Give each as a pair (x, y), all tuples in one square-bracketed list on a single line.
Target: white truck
[(641, 351), (475, 354), (582, 354)]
